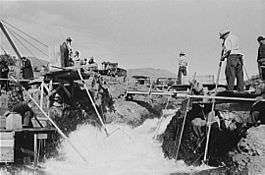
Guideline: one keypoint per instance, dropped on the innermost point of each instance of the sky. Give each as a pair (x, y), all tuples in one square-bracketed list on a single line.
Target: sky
[(140, 34)]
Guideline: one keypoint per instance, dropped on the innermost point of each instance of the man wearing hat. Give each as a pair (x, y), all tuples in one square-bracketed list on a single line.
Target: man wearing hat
[(66, 53), (232, 53), (261, 57), (183, 63), (77, 58)]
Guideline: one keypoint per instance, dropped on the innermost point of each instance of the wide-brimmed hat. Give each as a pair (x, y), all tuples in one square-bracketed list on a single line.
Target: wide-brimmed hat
[(223, 33), (260, 38), (182, 53), (69, 39)]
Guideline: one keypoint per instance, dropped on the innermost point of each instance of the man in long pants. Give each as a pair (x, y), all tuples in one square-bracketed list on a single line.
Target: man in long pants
[(234, 66), (261, 57)]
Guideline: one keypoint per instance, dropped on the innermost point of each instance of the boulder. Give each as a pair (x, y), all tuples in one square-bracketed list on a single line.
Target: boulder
[(250, 152)]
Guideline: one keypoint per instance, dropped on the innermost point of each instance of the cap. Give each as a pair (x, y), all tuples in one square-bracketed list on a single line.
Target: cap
[(223, 33)]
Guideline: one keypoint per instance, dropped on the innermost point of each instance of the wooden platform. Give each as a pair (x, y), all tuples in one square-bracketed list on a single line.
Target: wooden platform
[(20, 143)]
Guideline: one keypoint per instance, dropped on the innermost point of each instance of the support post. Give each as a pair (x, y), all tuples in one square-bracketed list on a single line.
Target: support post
[(35, 150), (49, 91), (41, 95)]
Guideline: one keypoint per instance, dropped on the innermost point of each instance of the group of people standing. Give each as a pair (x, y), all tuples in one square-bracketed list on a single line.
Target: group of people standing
[(24, 69), (234, 67), (68, 58)]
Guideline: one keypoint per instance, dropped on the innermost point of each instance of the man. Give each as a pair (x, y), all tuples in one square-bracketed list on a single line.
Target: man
[(261, 57), (77, 58), (70, 51), (66, 53), (26, 112), (27, 71), (4, 70), (92, 65), (232, 53), (257, 111), (183, 63)]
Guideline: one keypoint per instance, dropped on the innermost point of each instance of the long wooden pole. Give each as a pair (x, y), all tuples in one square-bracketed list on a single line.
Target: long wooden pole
[(184, 119), (93, 104), (9, 39), (53, 123), (182, 128), (212, 113), (195, 96), (208, 124)]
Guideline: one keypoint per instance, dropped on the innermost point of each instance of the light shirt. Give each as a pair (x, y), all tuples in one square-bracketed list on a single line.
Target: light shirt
[(77, 61), (232, 43), (183, 61)]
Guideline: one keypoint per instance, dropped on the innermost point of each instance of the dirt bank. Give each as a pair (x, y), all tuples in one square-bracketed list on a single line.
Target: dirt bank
[(250, 152)]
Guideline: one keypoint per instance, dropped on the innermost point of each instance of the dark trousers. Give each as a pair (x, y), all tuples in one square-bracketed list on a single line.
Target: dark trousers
[(261, 66), (234, 71)]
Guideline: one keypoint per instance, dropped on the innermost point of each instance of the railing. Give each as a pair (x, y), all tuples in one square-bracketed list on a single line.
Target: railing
[(204, 79)]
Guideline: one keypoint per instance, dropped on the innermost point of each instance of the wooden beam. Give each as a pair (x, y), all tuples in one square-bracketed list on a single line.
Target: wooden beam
[(9, 39)]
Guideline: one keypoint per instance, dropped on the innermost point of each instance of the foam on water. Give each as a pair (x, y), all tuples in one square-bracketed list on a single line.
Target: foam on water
[(126, 151)]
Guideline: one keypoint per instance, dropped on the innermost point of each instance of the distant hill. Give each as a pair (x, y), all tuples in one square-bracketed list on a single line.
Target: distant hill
[(36, 62), (151, 72)]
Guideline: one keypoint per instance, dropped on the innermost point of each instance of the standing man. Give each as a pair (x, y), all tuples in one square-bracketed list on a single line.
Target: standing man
[(234, 64), (66, 53), (26, 68), (261, 57), (70, 51), (182, 63)]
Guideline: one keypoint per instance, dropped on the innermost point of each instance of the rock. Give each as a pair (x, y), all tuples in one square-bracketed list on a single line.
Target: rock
[(130, 113), (251, 151)]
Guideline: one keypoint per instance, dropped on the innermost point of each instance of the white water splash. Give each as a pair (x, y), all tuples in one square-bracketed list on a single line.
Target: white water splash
[(127, 151)]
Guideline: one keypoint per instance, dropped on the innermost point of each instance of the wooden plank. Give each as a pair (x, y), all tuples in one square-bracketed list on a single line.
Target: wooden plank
[(7, 146)]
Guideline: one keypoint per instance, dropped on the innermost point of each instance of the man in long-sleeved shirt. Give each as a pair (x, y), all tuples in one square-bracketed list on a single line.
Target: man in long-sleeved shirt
[(183, 63), (261, 57), (234, 57)]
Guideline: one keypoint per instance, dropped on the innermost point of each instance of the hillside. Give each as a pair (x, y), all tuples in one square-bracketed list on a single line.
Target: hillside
[(151, 72), (36, 62)]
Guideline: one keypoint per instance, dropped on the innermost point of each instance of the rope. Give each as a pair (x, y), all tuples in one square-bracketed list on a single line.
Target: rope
[(43, 52), (25, 33), (21, 43)]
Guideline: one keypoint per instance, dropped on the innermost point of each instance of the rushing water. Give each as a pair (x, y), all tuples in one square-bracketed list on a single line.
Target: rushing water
[(126, 151)]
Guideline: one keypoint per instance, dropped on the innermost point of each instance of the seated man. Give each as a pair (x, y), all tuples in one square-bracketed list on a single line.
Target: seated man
[(257, 111), (91, 65), (26, 112), (77, 59)]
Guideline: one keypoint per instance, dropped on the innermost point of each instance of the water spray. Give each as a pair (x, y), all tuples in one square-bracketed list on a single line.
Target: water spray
[(53, 123)]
